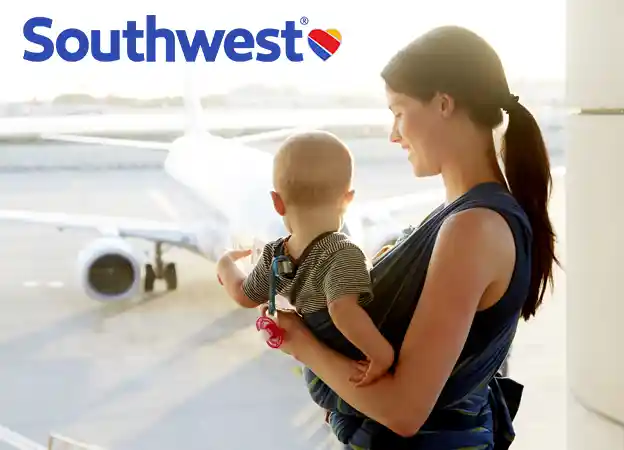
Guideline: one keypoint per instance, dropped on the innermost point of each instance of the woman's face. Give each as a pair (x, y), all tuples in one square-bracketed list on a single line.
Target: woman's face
[(420, 127)]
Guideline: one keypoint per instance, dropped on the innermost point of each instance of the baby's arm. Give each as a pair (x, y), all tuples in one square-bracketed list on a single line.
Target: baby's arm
[(357, 326), (248, 291), (346, 279)]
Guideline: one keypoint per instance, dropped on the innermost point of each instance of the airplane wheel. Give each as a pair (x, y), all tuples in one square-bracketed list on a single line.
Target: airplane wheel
[(150, 278), (171, 276)]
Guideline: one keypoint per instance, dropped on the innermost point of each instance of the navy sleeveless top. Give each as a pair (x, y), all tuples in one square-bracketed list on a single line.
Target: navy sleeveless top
[(476, 406)]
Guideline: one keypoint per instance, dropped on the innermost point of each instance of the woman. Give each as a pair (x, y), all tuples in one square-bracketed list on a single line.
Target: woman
[(484, 257)]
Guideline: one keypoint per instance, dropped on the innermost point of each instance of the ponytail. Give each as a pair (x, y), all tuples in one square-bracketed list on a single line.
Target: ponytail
[(527, 169)]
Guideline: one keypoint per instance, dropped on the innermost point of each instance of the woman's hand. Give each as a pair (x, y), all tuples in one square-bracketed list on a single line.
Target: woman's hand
[(297, 335)]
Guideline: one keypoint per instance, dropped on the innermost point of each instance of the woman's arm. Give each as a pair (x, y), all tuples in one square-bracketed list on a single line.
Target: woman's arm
[(465, 261)]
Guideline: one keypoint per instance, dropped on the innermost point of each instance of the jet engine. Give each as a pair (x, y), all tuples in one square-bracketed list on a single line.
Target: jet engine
[(109, 270)]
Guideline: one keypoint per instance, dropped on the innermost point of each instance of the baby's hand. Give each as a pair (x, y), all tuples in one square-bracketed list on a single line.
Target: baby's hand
[(370, 370), (235, 255), (227, 261)]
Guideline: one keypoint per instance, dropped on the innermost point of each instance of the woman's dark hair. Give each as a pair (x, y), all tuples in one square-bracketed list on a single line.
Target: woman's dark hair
[(457, 62)]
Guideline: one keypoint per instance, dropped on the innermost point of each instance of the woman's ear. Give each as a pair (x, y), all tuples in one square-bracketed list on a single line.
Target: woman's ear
[(445, 104)]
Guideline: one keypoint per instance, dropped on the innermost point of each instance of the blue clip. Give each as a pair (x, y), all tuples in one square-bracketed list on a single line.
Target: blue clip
[(275, 273)]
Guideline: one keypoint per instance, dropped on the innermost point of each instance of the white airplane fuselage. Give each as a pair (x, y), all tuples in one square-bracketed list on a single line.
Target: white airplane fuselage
[(233, 181)]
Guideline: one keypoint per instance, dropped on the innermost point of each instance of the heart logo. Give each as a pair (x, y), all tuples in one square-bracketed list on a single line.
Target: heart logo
[(324, 42)]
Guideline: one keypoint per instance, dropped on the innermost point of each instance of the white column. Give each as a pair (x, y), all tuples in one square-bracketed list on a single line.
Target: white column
[(595, 224)]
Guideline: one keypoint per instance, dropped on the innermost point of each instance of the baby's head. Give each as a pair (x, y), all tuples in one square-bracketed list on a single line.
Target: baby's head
[(312, 172)]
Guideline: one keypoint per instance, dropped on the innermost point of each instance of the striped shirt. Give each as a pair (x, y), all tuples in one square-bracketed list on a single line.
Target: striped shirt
[(333, 267)]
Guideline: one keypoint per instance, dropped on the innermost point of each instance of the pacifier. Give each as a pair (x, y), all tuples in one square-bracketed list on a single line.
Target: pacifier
[(272, 333)]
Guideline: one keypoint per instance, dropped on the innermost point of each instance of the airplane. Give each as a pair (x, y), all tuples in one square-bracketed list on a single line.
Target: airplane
[(232, 179)]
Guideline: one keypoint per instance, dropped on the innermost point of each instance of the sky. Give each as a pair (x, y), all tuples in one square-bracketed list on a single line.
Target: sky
[(529, 37)]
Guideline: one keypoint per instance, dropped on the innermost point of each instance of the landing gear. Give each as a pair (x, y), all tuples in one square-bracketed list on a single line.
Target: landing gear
[(171, 276), (150, 278), (159, 270)]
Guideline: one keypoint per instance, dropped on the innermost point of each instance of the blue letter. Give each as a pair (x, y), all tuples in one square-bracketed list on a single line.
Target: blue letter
[(96, 46), (264, 43), (152, 33), (131, 34), (230, 46), (289, 33), (47, 45), (200, 40), (61, 45)]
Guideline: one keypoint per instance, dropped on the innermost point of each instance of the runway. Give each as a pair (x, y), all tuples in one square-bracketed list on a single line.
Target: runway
[(182, 370)]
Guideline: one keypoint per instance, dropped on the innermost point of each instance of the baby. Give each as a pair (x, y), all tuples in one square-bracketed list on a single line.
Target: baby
[(327, 280)]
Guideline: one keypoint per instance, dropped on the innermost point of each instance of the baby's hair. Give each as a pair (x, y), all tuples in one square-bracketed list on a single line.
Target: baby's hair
[(312, 169)]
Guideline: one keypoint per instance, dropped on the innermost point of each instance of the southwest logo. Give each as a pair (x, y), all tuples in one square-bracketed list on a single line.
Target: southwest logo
[(237, 45), (324, 42)]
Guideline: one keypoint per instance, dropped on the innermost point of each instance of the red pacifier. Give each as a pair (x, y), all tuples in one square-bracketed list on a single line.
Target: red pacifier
[(273, 334)]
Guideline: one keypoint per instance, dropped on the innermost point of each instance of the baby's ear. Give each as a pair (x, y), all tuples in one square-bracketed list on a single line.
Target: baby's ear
[(278, 203)]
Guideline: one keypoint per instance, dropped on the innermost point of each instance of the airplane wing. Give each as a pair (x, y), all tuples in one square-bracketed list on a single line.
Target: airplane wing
[(150, 145), (151, 230)]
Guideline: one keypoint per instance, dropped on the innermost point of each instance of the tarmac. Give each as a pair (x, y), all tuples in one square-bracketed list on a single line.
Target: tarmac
[(186, 369)]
